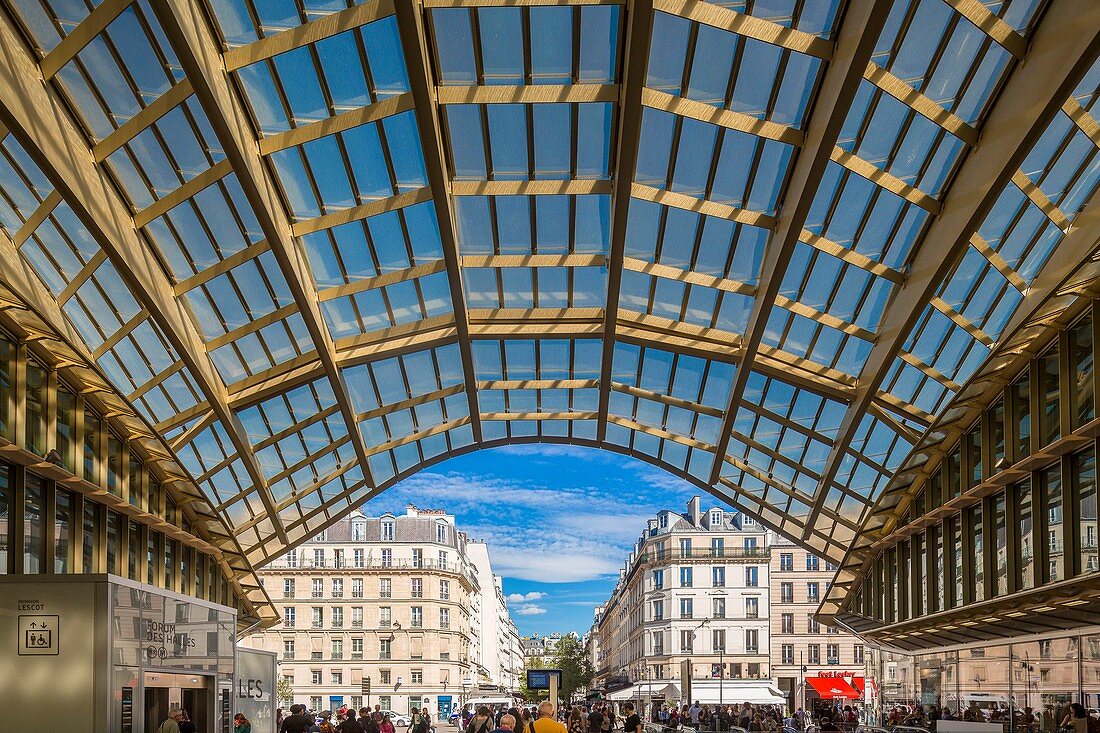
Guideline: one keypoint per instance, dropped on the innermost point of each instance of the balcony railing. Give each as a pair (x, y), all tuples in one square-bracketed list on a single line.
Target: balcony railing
[(337, 655), (317, 594), (288, 655), (357, 594), (315, 655), (337, 624), (706, 553), (357, 655), (356, 624), (288, 594), (317, 625)]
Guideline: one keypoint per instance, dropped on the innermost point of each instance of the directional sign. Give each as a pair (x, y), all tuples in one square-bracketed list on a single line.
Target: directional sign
[(38, 636), (539, 679)]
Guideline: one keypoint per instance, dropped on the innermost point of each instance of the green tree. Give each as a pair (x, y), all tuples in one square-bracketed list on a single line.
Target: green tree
[(531, 663), (576, 667)]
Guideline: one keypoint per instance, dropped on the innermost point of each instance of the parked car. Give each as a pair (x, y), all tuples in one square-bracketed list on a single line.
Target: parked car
[(399, 720)]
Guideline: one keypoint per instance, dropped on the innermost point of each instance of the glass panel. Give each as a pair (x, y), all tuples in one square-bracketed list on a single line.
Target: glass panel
[(7, 515), (957, 597), (981, 671), (1025, 557), (133, 547), (114, 465), (1050, 427), (1021, 411), (63, 532), (1000, 547), (1051, 481), (35, 433), (65, 432), (7, 378), (996, 421), (92, 429), (1048, 683), (114, 538), (973, 443), (33, 550), (978, 529), (1084, 479), (88, 537), (1081, 377)]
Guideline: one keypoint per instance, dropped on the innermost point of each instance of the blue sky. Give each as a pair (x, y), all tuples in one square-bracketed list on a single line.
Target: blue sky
[(559, 521)]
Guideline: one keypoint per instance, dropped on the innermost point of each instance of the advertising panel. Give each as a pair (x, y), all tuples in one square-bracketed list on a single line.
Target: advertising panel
[(255, 688)]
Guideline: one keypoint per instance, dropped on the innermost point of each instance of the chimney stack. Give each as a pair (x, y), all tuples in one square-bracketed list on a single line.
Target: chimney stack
[(693, 511)]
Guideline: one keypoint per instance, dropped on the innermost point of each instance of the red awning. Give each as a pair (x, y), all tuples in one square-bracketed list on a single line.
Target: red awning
[(830, 687), (857, 682)]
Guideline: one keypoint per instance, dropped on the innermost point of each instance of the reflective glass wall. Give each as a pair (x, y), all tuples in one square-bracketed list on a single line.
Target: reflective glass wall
[(1011, 506), (1026, 686)]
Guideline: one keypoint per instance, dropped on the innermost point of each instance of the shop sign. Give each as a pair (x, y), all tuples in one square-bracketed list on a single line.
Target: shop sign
[(163, 641)]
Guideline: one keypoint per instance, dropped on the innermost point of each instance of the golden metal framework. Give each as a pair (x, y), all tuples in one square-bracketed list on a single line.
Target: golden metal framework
[(375, 312)]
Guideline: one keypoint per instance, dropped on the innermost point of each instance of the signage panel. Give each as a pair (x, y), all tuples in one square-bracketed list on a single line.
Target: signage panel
[(539, 679)]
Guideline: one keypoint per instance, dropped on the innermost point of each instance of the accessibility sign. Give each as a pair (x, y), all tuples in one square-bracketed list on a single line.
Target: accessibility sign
[(38, 636)]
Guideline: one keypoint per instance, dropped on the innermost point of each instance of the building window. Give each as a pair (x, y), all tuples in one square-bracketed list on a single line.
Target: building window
[(416, 677), (444, 618), (832, 653), (418, 558), (658, 610), (337, 587), (687, 641), (857, 650), (752, 640), (291, 559), (747, 521), (752, 577), (687, 608), (384, 677), (417, 586), (717, 547), (718, 576), (812, 563), (315, 677), (356, 587), (719, 609), (356, 648), (288, 587), (385, 649), (288, 648), (662, 520), (387, 530), (444, 590), (441, 533), (318, 558), (337, 617), (417, 616), (658, 579), (385, 588), (685, 577), (786, 592), (337, 648), (338, 558), (788, 653), (685, 547), (385, 616), (812, 624), (752, 608), (444, 560), (812, 592), (718, 640), (288, 617), (387, 558), (315, 701), (384, 702), (357, 617), (318, 588), (715, 517), (358, 558), (786, 561), (813, 654), (787, 623), (359, 531), (318, 617)]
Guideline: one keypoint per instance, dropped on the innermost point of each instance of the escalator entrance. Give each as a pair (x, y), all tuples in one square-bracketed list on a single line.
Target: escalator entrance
[(191, 692)]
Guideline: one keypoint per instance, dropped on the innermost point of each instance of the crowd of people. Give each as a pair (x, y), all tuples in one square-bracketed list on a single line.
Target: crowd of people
[(1069, 718), (349, 720)]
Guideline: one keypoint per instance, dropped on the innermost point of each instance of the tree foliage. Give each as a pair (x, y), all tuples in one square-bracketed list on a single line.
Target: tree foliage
[(576, 667), (283, 690)]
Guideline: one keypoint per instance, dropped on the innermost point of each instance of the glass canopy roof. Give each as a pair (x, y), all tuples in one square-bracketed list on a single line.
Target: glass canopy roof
[(319, 245)]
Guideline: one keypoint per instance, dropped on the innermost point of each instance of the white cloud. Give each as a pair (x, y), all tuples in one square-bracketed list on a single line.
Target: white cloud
[(530, 610), (524, 597)]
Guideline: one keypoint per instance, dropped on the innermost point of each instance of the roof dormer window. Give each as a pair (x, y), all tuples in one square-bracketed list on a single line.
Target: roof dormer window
[(387, 530), (359, 531), (715, 517), (662, 520)]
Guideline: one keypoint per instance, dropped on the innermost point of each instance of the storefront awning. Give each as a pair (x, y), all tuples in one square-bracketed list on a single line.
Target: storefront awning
[(729, 692), (857, 682), (833, 687), (646, 691)]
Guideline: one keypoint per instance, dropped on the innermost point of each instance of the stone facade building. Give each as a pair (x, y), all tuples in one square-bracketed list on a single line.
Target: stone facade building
[(398, 600)]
